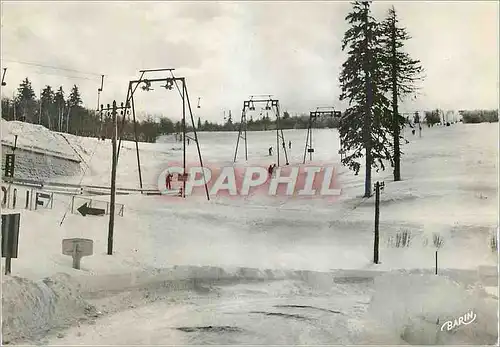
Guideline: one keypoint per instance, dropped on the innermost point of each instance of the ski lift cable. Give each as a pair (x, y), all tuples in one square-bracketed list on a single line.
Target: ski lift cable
[(350, 211), (91, 156), (51, 67), (63, 75), (81, 179)]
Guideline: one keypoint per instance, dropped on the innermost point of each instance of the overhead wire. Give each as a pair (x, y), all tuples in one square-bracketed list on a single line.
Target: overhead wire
[(81, 179), (51, 67)]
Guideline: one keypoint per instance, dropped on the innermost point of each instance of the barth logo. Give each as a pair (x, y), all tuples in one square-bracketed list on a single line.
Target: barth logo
[(466, 319)]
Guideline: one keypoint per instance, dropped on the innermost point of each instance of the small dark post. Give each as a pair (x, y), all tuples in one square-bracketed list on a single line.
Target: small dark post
[(377, 213), (14, 198), (311, 142), (3, 77), (184, 139), (436, 262), (8, 265), (113, 181), (10, 239), (8, 256), (246, 144), (27, 199)]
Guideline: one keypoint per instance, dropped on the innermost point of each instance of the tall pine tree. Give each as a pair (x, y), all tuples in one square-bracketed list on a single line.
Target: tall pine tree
[(59, 103), (26, 101), (364, 126), (74, 113), (402, 73), (47, 106)]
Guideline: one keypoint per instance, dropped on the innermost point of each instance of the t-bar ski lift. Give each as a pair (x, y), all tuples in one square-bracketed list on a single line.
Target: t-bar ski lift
[(170, 82), (271, 104), (313, 117)]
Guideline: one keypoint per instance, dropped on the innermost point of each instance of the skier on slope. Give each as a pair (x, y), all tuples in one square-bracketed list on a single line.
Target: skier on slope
[(270, 169), (168, 180)]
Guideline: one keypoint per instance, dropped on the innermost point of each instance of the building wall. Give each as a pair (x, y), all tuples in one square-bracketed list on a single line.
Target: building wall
[(36, 165)]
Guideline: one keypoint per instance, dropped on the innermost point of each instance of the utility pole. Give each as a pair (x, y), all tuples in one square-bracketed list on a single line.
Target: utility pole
[(113, 184), (114, 158), (184, 173), (378, 186)]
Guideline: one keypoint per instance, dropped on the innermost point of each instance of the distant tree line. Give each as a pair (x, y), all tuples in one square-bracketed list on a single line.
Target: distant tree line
[(268, 122), (479, 116), (64, 114), (58, 112)]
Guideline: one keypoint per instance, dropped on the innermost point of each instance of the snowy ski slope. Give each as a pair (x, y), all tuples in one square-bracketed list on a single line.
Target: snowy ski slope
[(449, 187)]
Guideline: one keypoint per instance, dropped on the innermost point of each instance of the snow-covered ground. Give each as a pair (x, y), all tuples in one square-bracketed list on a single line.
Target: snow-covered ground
[(449, 187)]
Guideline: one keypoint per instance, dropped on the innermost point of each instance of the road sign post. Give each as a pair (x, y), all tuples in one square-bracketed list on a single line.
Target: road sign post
[(10, 238), (77, 248)]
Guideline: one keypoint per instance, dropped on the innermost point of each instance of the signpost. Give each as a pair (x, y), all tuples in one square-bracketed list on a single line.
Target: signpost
[(77, 248), (10, 238), (39, 202), (378, 187), (12, 194), (9, 164), (86, 210)]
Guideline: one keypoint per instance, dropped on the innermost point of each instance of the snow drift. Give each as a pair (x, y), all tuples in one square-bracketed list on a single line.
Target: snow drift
[(414, 307), (30, 309)]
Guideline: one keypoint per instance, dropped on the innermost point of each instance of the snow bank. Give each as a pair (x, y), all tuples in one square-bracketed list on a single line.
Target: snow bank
[(414, 307), (29, 309), (41, 153), (36, 138), (32, 308)]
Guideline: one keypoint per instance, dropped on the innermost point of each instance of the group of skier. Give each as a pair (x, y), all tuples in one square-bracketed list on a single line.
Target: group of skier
[(270, 150), (270, 170)]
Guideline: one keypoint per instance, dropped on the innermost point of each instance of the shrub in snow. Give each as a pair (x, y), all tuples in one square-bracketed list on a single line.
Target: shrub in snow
[(402, 239), (494, 241), (414, 307), (437, 240)]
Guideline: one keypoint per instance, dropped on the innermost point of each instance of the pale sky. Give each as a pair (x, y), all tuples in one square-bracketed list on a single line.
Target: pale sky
[(230, 50)]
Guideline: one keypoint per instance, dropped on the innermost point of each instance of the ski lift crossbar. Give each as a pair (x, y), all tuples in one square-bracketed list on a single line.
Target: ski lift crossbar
[(155, 70), (158, 80)]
